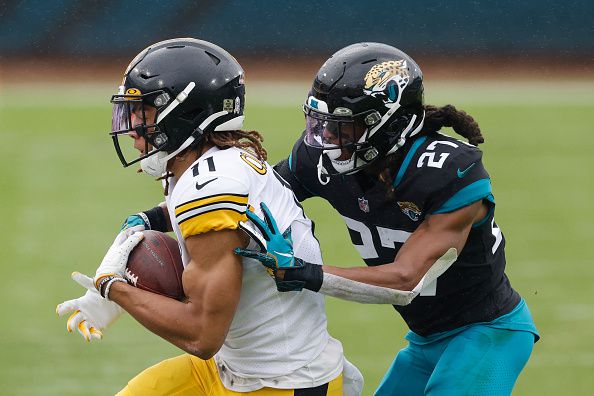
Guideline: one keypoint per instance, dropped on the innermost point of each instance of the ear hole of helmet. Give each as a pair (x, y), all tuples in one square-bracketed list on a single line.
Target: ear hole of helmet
[(398, 125)]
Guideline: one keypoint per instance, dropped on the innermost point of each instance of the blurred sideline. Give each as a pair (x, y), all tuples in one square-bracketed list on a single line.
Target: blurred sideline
[(282, 82), (292, 93)]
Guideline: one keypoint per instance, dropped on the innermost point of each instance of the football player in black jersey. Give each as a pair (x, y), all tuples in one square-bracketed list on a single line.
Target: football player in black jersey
[(420, 211)]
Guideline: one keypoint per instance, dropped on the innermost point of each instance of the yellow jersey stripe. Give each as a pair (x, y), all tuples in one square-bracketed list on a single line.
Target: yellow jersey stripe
[(204, 208), (214, 220), (239, 199)]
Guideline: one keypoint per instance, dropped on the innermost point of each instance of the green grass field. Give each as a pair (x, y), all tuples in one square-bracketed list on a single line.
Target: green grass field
[(64, 195)]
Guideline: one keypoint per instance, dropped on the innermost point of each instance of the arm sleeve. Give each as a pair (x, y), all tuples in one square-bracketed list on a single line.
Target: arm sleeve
[(351, 290)]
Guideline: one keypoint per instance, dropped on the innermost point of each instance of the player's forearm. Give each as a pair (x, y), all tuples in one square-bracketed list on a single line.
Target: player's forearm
[(356, 284), (383, 276), (347, 289), (175, 321), (388, 276), (425, 247)]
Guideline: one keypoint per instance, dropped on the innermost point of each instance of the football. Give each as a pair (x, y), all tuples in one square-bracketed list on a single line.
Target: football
[(155, 265)]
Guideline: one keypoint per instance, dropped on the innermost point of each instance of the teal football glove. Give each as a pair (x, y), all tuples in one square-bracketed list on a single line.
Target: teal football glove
[(277, 254), (136, 220), (279, 246)]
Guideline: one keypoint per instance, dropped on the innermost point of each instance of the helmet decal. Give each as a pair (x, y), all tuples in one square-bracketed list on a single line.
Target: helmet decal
[(317, 104), (228, 105), (133, 92), (387, 80), (237, 107)]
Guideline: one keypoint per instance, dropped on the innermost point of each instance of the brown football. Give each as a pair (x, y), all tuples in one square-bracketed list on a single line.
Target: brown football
[(155, 265)]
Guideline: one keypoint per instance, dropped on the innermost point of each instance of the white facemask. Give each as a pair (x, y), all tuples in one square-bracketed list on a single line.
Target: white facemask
[(155, 165)]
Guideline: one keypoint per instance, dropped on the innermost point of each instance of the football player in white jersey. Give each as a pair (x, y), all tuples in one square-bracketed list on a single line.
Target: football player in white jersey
[(181, 101)]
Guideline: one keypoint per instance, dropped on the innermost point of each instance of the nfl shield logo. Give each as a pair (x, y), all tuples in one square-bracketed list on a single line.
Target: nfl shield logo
[(364, 204)]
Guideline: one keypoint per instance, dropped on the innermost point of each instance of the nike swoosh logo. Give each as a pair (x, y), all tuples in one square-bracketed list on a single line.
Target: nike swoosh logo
[(283, 254), (463, 173), (200, 186)]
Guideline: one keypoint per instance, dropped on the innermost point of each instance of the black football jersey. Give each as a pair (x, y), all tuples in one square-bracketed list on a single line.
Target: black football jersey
[(436, 174)]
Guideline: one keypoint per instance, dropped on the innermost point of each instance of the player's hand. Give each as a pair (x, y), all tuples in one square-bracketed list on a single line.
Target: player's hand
[(90, 313), (276, 254), (134, 223), (137, 221), (113, 266)]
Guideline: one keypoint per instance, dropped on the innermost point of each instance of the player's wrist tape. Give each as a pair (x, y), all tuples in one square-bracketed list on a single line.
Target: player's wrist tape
[(309, 276), (104, 284), (347, 289), (155, 219)]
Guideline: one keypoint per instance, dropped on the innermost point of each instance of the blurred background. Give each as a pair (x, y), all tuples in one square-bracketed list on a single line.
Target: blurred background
[(524, 70)]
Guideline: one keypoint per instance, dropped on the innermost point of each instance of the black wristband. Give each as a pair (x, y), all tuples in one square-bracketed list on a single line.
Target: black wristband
[(104, 284), (311, 274), (157, 219)]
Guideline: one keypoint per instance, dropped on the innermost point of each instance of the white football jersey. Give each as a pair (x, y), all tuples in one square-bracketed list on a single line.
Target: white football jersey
[(272, 334)]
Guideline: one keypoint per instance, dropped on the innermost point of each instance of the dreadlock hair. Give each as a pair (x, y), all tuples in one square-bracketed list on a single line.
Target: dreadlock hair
[(248, 140), (449, 116), (435, 119)]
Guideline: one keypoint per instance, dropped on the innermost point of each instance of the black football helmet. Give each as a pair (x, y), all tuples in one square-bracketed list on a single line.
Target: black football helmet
[(371, 88), (195, 87)]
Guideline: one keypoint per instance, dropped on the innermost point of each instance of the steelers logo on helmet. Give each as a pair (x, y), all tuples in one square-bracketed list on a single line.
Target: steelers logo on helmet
[(387, 80), (133, 92)]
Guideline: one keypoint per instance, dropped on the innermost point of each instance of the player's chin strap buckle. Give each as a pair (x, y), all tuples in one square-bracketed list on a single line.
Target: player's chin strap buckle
[(322, 171)]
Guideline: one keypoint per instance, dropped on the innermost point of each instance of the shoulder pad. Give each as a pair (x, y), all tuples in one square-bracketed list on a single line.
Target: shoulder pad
[(209, 201)]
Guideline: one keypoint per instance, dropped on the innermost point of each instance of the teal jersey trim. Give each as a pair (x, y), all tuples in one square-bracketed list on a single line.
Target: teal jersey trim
[(519, 319), (407, 160), (291, 162), (473, 192)]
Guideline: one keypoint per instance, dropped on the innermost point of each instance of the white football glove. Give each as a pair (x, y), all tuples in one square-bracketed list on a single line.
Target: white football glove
[(125, 232), (113, 266), (91, 313)]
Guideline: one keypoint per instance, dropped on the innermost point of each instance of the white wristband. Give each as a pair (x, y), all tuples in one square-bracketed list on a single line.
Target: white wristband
[(110, 283)]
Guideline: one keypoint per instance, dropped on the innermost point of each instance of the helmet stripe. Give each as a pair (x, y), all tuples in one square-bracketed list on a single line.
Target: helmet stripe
[(183, 95)]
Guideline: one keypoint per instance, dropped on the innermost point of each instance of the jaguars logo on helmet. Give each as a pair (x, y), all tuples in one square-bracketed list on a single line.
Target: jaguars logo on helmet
[(386, 80)]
